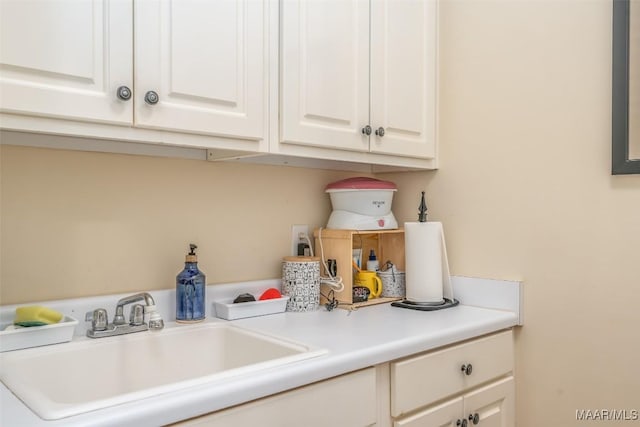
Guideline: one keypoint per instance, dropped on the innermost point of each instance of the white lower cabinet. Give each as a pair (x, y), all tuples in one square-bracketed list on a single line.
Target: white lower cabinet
[(463, 385), (425, 390), (443, 415), (489, 406), (345, 401), (492, 405)]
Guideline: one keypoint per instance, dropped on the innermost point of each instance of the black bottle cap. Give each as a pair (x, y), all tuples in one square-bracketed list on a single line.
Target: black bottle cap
[(191, 256)]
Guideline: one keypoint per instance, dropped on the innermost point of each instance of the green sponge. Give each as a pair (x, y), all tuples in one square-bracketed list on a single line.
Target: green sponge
[(36, 315)]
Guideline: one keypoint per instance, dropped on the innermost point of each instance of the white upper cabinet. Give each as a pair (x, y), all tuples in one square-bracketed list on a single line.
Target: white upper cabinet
[(359, 75), (192, 67), (66, 59), (309, 82), (403, 77), (204, 61), (325, 73)]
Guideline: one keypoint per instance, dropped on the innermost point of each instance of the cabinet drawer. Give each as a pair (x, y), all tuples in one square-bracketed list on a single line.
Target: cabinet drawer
[(420, 380)]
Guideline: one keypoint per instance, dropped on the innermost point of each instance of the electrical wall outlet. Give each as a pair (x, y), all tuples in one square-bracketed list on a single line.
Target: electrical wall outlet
[(296, 229)]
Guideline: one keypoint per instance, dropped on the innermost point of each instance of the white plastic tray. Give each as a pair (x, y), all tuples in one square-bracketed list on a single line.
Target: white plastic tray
[(229, 311), (17, 337)]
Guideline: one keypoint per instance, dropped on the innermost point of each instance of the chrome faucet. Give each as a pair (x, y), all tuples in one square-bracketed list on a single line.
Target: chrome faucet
[(100, 326)]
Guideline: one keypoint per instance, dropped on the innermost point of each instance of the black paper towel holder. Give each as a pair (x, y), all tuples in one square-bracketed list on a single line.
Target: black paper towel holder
[(426, 306)]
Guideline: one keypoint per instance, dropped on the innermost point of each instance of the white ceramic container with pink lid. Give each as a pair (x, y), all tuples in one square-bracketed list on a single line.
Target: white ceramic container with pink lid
[(361, 203)]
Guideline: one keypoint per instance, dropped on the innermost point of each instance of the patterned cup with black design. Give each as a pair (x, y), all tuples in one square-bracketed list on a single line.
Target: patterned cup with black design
[(301, 282)]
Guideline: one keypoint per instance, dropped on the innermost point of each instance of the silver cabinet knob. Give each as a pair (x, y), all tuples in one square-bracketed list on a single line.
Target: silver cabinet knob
[(467, 369), (474, 418), (380, 131), (366, 130), (124, 93), (151, 98)]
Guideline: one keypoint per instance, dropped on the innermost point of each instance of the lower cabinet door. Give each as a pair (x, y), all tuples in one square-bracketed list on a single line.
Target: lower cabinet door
[(444, 415), (345, 401), (492, 405)]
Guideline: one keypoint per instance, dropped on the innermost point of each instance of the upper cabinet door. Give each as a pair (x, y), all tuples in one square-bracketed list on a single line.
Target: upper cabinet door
[(206, 63), (403, 77), (66, 59), (324, 73)]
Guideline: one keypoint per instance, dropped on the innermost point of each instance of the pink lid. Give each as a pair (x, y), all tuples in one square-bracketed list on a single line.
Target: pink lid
[(361, 183)]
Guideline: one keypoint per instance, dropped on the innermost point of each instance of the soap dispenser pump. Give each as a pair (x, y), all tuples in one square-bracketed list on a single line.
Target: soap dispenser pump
[(190, 290)]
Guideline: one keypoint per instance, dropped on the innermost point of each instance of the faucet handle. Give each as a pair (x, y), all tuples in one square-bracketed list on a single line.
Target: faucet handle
[(99, 319), (136, 317), (118, 319)]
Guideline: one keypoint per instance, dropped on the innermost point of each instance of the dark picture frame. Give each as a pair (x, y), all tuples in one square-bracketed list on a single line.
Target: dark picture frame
[(620, 161)]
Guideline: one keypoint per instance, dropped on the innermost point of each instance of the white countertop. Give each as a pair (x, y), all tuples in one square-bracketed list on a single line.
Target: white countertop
[(353, 339)]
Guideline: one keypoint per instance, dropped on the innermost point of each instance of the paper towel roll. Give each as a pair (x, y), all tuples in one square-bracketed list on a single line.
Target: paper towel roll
[(426, 265)]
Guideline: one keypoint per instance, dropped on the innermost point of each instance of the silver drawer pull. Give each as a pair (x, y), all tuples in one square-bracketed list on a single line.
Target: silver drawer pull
[(467, 369), (474, 418)]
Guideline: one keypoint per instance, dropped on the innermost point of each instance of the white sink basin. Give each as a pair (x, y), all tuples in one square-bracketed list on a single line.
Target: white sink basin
[(69, 379)]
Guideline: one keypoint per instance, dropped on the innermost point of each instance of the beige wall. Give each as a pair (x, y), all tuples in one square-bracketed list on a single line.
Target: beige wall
[(79, 223), (525, 192)]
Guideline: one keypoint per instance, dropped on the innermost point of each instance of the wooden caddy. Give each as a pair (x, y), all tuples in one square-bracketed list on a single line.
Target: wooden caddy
[(339, 245)]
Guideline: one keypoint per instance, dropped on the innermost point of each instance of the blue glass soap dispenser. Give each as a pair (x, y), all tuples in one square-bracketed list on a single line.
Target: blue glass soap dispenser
[(190, 290)]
